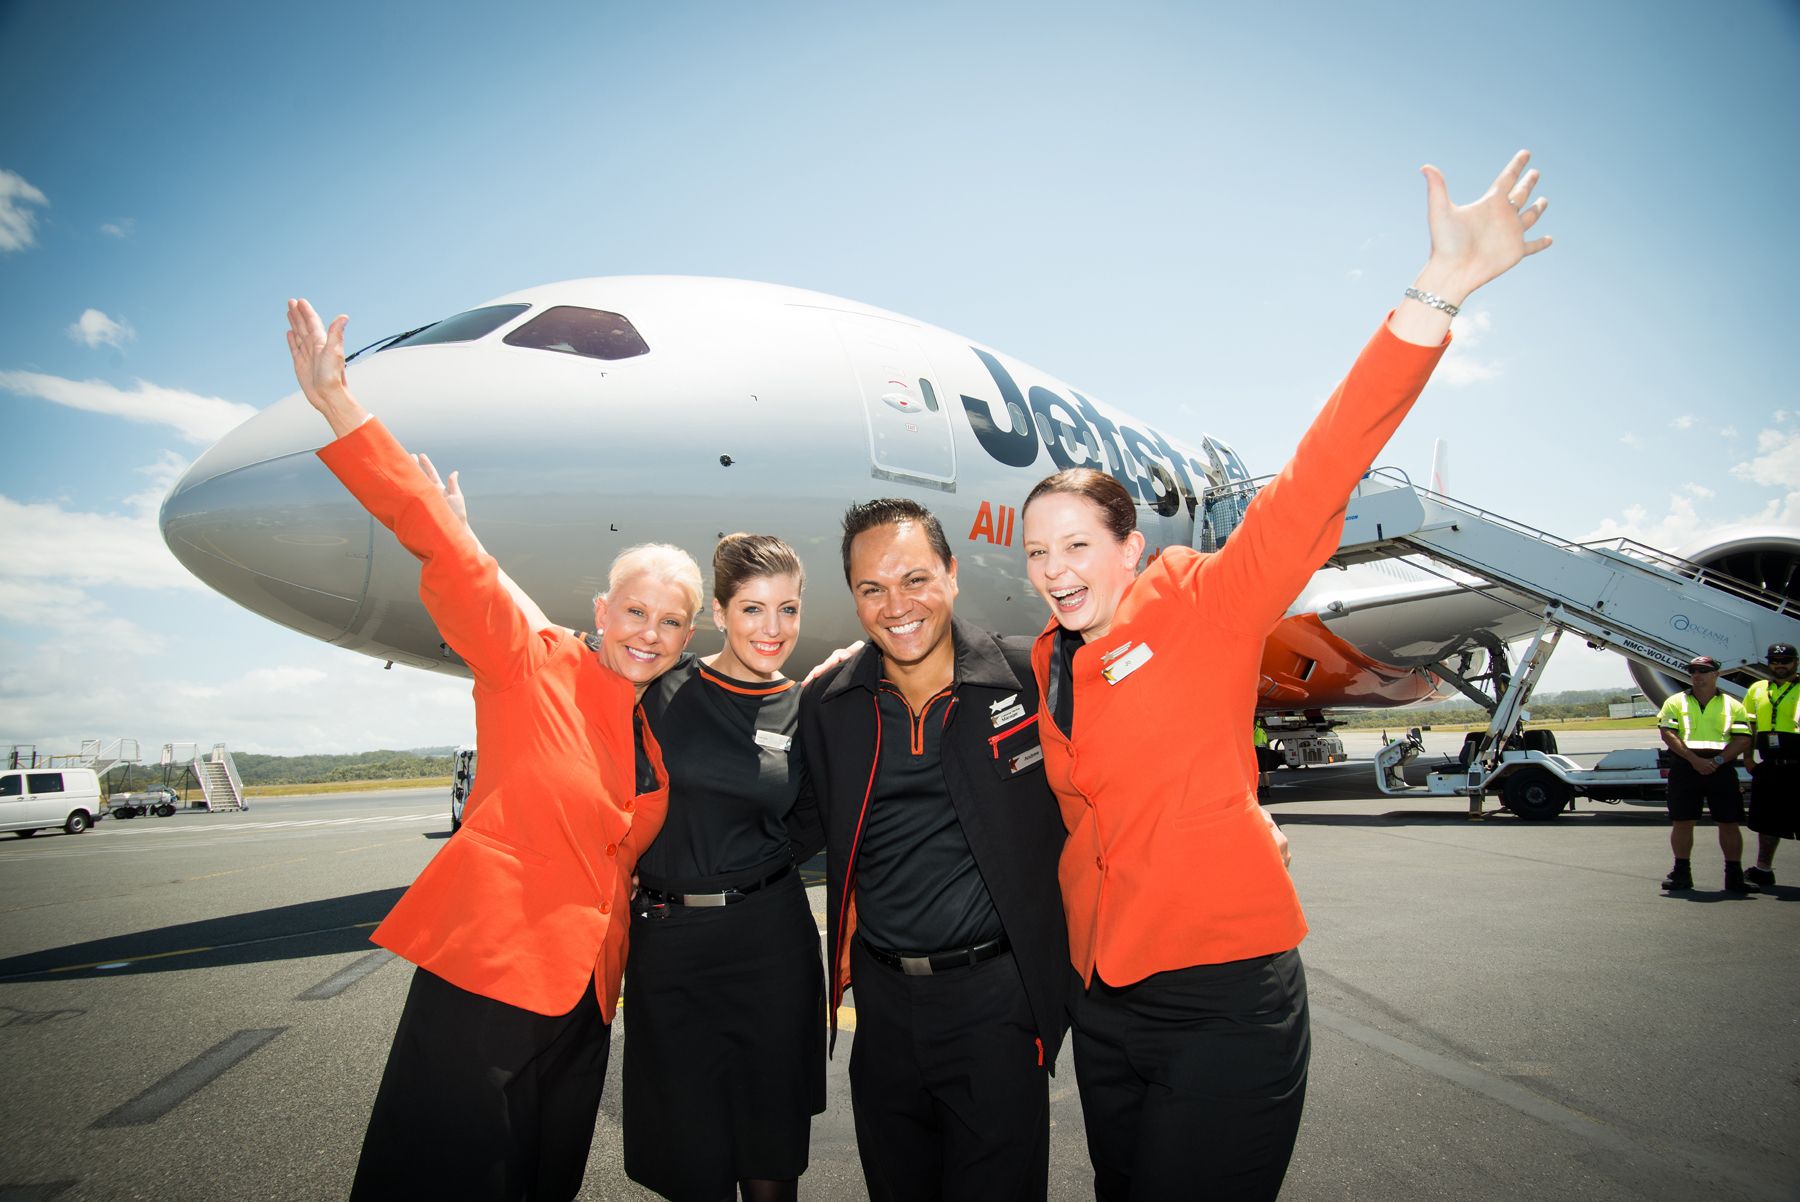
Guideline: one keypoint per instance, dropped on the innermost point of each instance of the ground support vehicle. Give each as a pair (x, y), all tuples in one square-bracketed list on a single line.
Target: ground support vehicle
[(160, 801), (35, 799), (462, 779)]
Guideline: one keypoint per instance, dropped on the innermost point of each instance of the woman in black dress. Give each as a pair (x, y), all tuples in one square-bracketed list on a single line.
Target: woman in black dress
[(724, 995)]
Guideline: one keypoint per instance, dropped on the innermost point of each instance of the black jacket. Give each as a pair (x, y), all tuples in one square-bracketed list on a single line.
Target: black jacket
[(996, 780)]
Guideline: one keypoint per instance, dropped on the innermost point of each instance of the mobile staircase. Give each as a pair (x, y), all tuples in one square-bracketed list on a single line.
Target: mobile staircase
[(215, 771), (1618, 595)]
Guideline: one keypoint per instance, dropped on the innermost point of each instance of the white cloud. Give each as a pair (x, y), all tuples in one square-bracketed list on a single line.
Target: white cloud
[(122, 228), (1684, 422), (71, 612), (1698, 490), (318, 699), (1631, 440), (1728, 432), (18, 221), (1777, 461), (1678, 527), (198, 418), (1355, 273), (1459, 366), (97, 329), (45, 542)]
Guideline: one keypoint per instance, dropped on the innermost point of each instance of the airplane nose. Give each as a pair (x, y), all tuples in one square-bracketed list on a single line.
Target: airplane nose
[(280, 536)]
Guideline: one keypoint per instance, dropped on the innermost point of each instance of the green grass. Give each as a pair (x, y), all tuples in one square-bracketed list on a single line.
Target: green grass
[(348, 786), (1564, 724)]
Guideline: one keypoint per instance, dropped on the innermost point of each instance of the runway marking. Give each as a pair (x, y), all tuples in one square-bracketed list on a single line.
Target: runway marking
[(1654, 1162), (188, 1080), (100, 965), (289, 824), (341, 980)]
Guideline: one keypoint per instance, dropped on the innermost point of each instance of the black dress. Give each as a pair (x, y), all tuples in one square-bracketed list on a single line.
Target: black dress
[(724, 1058)]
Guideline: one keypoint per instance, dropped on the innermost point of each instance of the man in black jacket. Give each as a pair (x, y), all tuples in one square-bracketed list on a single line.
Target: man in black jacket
[(943, 909)]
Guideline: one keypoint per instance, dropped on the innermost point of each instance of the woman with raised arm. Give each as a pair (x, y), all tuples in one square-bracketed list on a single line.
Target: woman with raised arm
[(518, 926), (725, 1055), (1190, 1022)]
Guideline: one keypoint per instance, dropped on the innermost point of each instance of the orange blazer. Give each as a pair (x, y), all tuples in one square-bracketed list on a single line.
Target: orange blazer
[(528, 902), (1169, 863)]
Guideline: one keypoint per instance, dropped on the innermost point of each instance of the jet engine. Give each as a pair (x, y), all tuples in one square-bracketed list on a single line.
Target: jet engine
[(1765, 557)]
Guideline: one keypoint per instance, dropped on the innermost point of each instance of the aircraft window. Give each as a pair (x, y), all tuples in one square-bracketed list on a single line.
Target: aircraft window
[(931, 401), (593, 333), (464, 327), (12, 785)]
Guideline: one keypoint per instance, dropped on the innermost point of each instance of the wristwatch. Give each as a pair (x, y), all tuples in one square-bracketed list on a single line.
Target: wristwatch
[(1718, 761)]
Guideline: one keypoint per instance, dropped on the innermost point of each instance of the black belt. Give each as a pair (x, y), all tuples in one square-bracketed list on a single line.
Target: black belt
[(925, 966), (719, 898)]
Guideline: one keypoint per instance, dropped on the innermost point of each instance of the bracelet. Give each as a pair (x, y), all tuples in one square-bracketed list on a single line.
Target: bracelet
[(1436, 302)]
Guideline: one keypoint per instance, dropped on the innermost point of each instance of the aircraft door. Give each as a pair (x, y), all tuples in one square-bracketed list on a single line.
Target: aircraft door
[(1227, 496), (909, 427)]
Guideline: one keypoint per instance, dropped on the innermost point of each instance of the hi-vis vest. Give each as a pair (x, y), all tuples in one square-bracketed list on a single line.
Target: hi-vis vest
[(1261, 737), (1771, 708), (1704, 727)]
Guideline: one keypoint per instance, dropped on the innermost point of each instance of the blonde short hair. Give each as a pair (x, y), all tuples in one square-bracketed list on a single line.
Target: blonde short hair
[(659, 561)]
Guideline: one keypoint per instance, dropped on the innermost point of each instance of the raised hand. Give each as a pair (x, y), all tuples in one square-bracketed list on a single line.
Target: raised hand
[(318, 354), (453, 493), (1473, 243)]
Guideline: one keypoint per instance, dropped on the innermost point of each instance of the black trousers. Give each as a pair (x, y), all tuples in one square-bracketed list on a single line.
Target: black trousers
[(1192, 1081), (952, 1100), (482, 1100)]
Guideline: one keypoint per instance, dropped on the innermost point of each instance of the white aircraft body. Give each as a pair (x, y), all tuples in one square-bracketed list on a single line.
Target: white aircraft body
[(594, 414)]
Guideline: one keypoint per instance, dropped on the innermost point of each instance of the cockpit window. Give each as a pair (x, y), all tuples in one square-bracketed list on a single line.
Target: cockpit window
[(464, 327), (593, 333)]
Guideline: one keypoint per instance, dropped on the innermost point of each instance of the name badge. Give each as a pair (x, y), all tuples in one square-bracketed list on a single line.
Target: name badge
[(1127, 663), (1025, 759), (1012, 713), (772, 741)]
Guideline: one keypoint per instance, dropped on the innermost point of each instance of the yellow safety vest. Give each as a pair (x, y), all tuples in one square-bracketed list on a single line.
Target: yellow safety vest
[(1704, 727), (1261, 736), (1773, 709)]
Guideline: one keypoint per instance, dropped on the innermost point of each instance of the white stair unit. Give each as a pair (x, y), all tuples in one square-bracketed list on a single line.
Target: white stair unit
[(215, 770)]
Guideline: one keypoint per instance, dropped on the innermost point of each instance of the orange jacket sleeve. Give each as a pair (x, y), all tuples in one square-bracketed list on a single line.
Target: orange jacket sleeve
[(1296, 520), (458, 581)]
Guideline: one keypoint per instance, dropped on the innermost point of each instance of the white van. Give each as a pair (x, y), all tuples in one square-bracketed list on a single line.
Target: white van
[(35, 799)]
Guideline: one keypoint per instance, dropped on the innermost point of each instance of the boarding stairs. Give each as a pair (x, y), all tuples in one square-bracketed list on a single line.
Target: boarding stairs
[(1618, 595), (103, 755), (215, 771)]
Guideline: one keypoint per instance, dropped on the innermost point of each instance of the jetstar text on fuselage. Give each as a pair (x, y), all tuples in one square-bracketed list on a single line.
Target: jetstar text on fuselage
[(1153, 469)]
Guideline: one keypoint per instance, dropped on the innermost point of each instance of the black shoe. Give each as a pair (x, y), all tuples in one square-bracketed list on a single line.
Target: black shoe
[(1761, 877), (1680, 878), (1735, 882)]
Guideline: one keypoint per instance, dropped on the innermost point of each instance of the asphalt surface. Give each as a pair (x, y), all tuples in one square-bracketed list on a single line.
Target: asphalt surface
[(189, 1007)]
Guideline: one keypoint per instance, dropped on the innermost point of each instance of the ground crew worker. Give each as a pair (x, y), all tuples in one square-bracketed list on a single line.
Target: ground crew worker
[(1265, 757), (1705, 731), (1774, 760)]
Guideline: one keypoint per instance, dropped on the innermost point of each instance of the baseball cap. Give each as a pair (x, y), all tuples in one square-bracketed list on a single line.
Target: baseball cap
[(1781, 651), (1703, 663)]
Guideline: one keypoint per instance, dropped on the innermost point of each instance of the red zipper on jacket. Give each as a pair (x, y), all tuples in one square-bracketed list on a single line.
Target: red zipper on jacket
[(994, 740), (837, 950)]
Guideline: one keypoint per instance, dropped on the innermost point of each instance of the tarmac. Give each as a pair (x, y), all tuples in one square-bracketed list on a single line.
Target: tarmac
[(189, 1007)]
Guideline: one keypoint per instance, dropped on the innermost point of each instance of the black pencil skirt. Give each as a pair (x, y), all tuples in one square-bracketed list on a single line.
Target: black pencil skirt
[(724, 1029)]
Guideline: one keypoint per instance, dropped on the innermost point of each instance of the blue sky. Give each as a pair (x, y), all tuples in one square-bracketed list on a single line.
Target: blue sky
[(1195, 211)]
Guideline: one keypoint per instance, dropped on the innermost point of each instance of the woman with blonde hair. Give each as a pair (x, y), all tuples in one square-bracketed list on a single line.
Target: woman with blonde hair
[(518, 926)]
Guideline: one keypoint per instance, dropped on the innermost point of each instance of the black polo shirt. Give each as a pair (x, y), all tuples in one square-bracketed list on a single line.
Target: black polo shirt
[(918, 889)]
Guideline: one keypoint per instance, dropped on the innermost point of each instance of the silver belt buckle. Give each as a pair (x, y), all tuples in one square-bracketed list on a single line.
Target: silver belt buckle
[(916, 966), (703, 899)]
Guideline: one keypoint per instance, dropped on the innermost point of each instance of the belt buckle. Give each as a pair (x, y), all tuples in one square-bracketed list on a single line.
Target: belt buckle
[(916, 966), (706, 899)]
